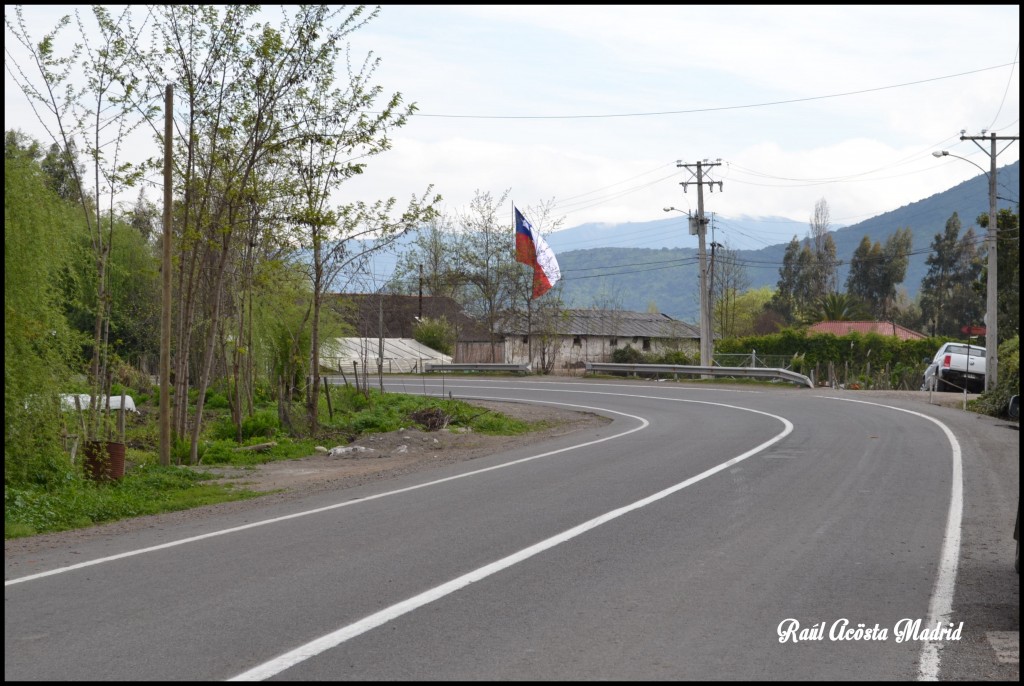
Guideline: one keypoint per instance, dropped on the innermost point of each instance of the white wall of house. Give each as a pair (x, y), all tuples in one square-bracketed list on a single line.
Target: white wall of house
[(569, 354)]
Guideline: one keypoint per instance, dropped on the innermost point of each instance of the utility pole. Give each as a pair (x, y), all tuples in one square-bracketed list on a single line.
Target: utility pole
[(992, 289), (707, 347)]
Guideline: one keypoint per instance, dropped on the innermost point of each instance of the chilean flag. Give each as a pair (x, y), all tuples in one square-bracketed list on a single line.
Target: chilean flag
[(533, 251)]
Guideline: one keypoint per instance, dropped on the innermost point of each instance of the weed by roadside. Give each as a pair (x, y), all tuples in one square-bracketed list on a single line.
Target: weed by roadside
[(149, 488)]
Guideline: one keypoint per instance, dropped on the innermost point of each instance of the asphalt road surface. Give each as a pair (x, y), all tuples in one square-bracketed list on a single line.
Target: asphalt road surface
[(706, 533)]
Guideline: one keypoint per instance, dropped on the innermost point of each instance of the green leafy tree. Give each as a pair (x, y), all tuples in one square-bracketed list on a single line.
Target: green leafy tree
[(437, 334), (333, 136), (94, 108), (838, 307), (949, 299), (784, 300), (39, 346), (875, 272)]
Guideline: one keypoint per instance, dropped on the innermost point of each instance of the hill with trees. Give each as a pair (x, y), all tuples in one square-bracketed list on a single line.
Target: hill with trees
[(666, 278)]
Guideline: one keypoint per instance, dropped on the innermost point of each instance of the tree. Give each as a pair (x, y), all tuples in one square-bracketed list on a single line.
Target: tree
[(729, 280), (97, 107), (333, 134), (437, 334), (875, 272), (838, 307), (488, 269), (948, 297), (824, 277), (784, 300), (39, 346), (430, 262), (747, 308)]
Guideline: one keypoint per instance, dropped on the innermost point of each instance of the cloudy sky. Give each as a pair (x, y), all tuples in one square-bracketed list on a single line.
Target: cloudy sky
[(592, 107)]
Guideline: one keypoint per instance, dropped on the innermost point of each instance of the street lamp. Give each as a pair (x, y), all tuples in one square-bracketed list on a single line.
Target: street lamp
[(991, 288)]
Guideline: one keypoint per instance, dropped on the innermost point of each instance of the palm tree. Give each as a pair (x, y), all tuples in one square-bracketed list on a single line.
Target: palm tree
[(838, 307)]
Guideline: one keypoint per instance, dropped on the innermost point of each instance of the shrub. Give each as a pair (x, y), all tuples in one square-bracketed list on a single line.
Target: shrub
[(996, 401), (627, 355), (436, 334)]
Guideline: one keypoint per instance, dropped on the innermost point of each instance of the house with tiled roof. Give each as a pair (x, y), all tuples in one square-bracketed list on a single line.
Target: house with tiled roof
[(568, 339), (837, 328)]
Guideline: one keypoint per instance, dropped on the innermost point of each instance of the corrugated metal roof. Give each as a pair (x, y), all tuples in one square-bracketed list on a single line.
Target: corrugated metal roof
[(881, 328), (620, 323), (404, 354)]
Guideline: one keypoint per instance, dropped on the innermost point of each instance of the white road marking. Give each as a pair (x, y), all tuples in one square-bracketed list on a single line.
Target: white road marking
[(252, 525), (336, 638), (940, 608)]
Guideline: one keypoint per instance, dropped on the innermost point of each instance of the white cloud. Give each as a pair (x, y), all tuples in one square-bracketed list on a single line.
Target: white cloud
[(905, 70)]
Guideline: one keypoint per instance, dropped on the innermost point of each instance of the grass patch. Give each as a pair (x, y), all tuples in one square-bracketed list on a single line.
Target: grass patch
[(78, 503), (149, 488)]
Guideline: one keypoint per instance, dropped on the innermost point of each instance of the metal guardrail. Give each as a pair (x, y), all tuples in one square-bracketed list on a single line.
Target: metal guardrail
[(480, 367), (754, 372)]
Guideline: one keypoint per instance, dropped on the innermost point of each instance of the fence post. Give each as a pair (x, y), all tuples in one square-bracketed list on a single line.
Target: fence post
[(753, 357)]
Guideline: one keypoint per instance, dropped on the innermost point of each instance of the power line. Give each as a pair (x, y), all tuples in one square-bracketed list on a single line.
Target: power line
[(714, 109)]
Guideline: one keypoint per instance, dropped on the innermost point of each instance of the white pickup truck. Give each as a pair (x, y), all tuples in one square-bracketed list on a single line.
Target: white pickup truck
[(955, 367)]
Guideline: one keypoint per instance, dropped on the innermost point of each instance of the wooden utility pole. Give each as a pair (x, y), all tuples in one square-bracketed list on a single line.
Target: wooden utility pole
[(707, 345)]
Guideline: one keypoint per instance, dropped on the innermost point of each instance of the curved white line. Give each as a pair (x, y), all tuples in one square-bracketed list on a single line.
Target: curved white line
[(252, 525), (940, 607), (335, 638)]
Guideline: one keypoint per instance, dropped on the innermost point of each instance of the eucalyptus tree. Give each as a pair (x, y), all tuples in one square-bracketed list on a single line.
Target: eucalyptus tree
[(876, 271), (823, 275), (948, 298), (784, 300)]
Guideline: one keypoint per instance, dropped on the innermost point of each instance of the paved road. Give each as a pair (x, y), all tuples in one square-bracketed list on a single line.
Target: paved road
[(672, 543)]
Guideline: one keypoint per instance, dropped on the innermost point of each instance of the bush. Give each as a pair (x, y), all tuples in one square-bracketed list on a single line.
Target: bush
[(996, 401), (675, 357), (627, 355), (436, 334)]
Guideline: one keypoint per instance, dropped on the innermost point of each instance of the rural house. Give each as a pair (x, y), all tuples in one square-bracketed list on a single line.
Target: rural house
[(569, 339)]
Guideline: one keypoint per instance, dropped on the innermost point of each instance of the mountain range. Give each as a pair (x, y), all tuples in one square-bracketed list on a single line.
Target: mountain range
[(609, 273), (642, 265)]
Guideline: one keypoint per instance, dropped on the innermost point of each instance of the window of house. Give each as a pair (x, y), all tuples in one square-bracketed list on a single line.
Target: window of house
[(526, 339), (647, 344), (577, 341), (613, 341)]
